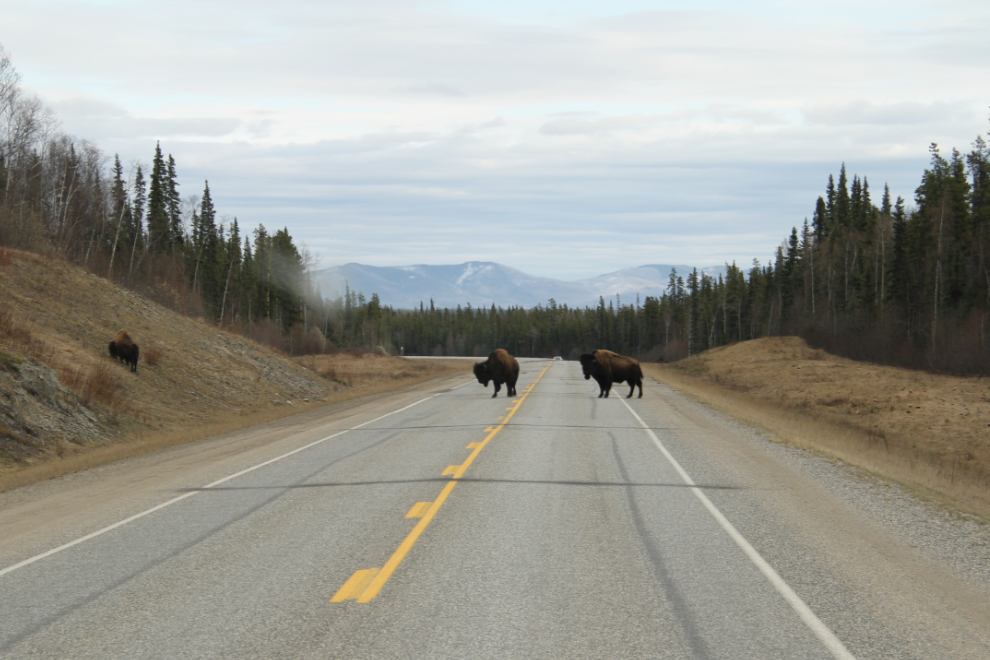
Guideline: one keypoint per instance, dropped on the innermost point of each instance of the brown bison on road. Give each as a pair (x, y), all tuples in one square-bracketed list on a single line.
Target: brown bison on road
[(607, 367), (124, 349), (500, 367)]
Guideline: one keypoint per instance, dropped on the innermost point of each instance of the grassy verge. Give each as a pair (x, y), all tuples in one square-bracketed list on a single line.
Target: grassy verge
[(920, 459), (374, 379)]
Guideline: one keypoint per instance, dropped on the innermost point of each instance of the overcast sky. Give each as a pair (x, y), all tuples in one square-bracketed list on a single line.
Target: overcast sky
[(566, 139)]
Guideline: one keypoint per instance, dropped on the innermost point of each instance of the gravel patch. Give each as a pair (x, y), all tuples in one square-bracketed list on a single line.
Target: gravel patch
[(957, 542)]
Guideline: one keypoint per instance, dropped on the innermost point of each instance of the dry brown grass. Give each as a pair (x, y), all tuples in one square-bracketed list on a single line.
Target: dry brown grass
[(152, 354), (93, 381), (194, 380), (357, 369), (98, 382), (17, 335), (76, 458), (929, 433)]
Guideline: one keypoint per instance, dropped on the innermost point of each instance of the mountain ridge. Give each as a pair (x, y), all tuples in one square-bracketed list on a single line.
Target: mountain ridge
[(484, 283)]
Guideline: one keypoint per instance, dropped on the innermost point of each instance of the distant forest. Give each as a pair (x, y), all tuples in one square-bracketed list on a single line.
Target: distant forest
[(885, 282), (880, 283)]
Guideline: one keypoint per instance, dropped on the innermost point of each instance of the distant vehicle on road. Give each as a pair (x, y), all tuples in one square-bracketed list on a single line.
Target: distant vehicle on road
[(557, 357)]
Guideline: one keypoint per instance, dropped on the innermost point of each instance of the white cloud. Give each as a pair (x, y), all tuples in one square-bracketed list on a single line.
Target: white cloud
[(555, 137), (862, 112), (98, 118)]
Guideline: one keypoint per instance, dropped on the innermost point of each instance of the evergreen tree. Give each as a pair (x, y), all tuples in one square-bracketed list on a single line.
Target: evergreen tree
[(119, 207), (205, 250), (174, 208), (158, 216), (843, 203), (819, 219), (137, 218)]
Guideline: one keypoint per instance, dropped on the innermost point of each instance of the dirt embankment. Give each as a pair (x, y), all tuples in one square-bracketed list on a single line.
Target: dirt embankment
[(928, 432), (65, 405)]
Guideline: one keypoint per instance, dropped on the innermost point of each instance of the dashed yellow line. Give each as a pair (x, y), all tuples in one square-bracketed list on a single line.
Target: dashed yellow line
[(353, 587), (365, 584), (418, 509)]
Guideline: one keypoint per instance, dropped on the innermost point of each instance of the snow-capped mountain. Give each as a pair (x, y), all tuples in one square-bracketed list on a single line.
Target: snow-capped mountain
[(483, 283)]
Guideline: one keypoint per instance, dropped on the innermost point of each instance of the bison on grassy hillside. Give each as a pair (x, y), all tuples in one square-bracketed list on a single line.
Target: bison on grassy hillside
[(607, 367), (500, 367), (124, 349)]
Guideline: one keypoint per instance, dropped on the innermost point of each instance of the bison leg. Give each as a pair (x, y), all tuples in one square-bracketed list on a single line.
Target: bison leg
[(601, 387), (498, 386), (635, 382)]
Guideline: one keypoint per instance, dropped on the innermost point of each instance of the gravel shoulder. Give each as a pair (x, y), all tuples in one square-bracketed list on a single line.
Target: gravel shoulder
[(941, 547)]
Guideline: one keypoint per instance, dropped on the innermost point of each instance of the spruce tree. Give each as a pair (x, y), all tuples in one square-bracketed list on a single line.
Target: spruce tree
[(842, 201), (137, 218), (174, 208), (204, 250), (118, 208), (158, 219), (819, 220)]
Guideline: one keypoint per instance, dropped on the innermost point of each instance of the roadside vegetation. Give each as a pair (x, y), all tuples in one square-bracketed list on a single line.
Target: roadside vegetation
[(927, 432), (892, 281), (89, 246), (65, 405)]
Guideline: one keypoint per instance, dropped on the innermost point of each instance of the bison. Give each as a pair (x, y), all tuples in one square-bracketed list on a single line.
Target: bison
[(607, 367), (500, 367), (124, 349)]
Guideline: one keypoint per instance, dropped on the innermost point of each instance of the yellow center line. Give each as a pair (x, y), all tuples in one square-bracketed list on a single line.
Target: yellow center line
[(382, 576), (353, 587), (417, 511)]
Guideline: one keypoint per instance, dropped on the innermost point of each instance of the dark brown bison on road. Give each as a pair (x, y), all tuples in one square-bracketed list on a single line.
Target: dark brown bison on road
[(500, 367), (124, 349), (607, 367)]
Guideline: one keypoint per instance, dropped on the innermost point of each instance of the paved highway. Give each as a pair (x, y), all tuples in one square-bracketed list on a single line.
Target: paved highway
[(440, 522)]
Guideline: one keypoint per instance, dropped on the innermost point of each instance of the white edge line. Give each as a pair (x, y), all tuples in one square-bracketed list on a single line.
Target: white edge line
[(49, 553), (820, 630)]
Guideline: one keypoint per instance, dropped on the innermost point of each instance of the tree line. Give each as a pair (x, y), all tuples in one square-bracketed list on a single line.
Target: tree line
[(59, 197), (888, 282), (892, 282)]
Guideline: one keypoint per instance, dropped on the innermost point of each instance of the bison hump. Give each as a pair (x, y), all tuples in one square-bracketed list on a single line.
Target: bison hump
[(123, 339)]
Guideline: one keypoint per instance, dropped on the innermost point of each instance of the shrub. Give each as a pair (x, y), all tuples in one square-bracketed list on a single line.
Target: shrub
[(152, 354), (98, 382), (18, 336)]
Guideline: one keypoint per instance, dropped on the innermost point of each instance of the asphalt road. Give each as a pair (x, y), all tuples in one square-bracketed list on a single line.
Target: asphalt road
[(444, 523)]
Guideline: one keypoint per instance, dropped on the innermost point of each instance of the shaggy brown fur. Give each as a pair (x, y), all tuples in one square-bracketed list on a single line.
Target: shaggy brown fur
[(607, 367), (500, 367), (124, 349)]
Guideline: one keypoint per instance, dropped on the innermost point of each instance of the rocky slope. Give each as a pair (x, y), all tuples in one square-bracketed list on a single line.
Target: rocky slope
[(60, 389)]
